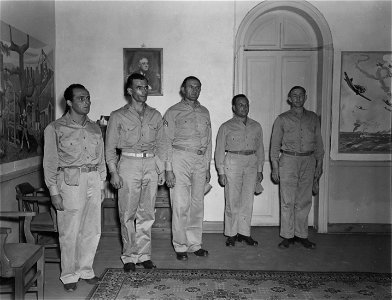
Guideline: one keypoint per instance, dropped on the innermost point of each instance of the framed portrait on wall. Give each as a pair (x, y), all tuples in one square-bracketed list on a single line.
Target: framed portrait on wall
[(363, 116), (148, 62)]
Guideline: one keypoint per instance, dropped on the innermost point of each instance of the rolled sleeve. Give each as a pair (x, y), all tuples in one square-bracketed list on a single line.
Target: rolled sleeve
[(51, 160)]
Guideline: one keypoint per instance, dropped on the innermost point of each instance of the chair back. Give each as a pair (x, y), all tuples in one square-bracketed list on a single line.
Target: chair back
[(26, 189)]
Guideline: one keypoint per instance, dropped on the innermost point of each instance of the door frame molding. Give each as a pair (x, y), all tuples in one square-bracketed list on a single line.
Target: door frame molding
[(325, 46)]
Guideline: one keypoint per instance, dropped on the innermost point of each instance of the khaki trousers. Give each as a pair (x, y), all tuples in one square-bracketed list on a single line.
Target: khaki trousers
[(241, 173), (79, 226), (296, 180), (136, 202), (187, 201)]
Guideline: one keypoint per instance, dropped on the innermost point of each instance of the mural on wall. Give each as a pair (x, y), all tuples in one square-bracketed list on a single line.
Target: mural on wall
[(148, 62), (27, 101), (365, 109)]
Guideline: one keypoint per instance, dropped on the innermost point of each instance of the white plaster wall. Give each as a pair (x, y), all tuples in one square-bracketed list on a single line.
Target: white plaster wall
[(197, 39), (33, 17)]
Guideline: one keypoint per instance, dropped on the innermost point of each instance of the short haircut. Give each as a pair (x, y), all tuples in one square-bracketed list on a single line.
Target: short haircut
[(189, 78), (234, 100), (68, 94), (297, 87), (131, 78)]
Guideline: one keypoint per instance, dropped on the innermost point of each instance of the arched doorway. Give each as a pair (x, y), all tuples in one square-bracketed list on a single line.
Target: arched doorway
[(278, 45)]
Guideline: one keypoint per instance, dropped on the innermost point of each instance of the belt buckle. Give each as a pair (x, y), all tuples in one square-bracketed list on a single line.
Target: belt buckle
[(199, 152), (144, 154), (83, 169)]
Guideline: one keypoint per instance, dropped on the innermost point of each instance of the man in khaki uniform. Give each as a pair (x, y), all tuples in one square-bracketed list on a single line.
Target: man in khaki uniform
[(239, 159), (75, 171), (297, 160), (187, 130), (136, 130)]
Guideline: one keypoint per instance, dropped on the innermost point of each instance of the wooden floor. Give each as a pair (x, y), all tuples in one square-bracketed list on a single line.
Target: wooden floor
[(335, 252)]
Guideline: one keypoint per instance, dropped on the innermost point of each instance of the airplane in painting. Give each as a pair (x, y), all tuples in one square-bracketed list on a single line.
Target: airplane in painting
[(358, 89)]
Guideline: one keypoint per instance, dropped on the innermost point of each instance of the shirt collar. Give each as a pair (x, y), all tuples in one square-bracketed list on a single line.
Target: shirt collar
[(187, 103), (294, 113), (69, 120), (239, 120), (132, 109)]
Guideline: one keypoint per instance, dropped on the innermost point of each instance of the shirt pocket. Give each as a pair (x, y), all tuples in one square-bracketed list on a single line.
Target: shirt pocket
[(151, 132), (130, 135), (309, 137), (235, 141), (188, 123), (69, 150), (94, 146), (203, 126)]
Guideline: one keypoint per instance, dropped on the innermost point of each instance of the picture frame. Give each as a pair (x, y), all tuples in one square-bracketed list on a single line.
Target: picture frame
[(26, 109), (148, 62), (362, 110)]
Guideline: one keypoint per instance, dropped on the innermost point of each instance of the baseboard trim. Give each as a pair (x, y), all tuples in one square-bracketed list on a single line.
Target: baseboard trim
[(213, 227), (359, 228), (208, 227)]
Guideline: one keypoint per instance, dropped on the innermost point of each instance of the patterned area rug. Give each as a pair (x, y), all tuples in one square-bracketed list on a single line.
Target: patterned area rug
[(164, 284)]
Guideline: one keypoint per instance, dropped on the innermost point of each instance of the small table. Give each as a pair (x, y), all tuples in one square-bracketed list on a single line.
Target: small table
[(110, 223)]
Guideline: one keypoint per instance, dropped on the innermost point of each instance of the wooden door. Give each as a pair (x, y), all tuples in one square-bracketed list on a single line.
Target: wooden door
[(267, 78)]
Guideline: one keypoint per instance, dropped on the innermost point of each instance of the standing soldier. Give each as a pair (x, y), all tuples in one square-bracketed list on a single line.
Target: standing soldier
[(136, 130), (75, 171), (187, 129), (297, 160), (239, 159)]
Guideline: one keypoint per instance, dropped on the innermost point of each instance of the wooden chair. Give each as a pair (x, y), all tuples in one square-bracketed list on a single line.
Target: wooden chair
[(44, 224), (24, 262)]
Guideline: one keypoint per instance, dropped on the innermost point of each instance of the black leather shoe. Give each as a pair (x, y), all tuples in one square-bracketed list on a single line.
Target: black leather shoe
[(305, 242), (231, 241), (286, 243), (93, 280), (247, 239), (70, 287), (147, 264), (201, 252), (128, 267), (182, 256)]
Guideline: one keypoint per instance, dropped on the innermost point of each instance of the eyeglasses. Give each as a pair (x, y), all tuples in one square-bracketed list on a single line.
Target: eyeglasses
[(83, 98)]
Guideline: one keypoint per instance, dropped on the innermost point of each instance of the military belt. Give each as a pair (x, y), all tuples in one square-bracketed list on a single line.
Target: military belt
[(298, 153), (198, 152)]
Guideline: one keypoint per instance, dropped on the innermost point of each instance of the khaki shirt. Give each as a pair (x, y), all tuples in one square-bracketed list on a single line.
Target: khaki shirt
[(188, 127), (68, 144), (234, 135), (127, 132), (297, 133)]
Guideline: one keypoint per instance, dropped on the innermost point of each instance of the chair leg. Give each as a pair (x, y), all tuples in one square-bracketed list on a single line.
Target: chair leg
[(19, 284), (41, 277)]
